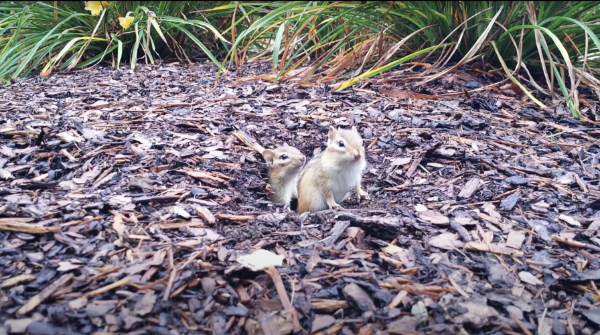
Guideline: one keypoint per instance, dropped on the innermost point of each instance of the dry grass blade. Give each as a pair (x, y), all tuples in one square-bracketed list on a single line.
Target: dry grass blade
[(514, 80), (469, 55)]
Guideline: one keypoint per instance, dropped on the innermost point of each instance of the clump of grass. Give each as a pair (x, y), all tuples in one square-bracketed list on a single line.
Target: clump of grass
[(72, 34)]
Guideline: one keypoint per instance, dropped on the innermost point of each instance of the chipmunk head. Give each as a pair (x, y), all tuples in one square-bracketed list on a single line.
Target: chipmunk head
[(346, 143), (285, 161)]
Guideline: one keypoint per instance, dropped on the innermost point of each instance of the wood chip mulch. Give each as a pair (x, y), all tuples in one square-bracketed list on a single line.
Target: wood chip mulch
[(130, 204)]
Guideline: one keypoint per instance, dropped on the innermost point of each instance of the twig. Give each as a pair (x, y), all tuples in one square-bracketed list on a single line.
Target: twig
[(172, 277), (232, 217), (458, 288), (522, 326), (575, 243), (26, 228), (570, 319), (285, 300), (44, 294), (107, 288)]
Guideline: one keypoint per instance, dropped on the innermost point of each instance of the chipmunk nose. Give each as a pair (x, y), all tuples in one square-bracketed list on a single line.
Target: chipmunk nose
[(357, 156)]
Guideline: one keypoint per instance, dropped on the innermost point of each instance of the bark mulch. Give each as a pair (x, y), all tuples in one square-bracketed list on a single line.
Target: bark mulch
[(131, 203)]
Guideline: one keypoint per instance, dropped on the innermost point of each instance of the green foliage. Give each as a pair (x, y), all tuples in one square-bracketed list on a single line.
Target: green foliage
[(547, 39), (65, 34)]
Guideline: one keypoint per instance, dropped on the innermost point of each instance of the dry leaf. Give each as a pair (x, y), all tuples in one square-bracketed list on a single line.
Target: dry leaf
[(392, 249), (446, 241), (515, 239), (146, 304), (67, 266), (207, 235), (181, 212), (68, 137), (119, 200), (400, 161), (118, 225), (6, 151), (5, 175), (260, 260), (529, 278), (434, 217), (570, 220)]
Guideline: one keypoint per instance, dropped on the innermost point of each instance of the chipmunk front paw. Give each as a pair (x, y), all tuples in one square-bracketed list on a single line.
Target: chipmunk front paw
[(269, 190), (335, 206), (362, 195)]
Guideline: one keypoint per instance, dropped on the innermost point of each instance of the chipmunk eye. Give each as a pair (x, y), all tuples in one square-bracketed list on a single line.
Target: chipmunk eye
[(283, 157), (341, 143)]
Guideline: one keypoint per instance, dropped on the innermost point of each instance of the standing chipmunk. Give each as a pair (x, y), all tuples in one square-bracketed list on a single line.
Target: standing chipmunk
[(283, 164), (329, 176)]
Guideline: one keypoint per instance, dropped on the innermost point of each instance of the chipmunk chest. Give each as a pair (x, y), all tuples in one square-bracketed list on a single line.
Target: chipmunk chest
[(344, 180)]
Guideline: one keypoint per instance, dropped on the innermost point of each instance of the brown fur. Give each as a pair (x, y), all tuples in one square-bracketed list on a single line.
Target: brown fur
[(283, 173), (327, 178)]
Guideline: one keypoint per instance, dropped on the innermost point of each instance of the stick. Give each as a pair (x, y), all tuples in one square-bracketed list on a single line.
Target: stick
[(285, 300), (172, 277), (44, 294), (249, 141), (575, 243), (26, 228)]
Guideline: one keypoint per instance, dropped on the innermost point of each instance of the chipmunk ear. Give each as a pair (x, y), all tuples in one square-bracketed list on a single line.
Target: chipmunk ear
[(331, 133), (354, 129), (268, 155)]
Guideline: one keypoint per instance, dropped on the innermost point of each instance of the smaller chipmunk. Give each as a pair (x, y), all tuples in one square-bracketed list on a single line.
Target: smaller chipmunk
[(284, 165), (329, 176)]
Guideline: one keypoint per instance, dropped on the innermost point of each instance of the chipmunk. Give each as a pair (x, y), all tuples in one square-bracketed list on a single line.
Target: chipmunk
[(283, 164), (329, 176)]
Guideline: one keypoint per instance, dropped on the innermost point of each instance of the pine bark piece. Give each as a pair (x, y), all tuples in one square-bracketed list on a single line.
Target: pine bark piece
[(470, 188), (359, 297), (218, 323), (462, 231), (386, 228), (357, 235), (321, 322), (505, 227), (204, 213), (398, 299), (336, 232), (314, 260), (163, 198), (509, 202), (414, 165), (214, 179), (241, 291)]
